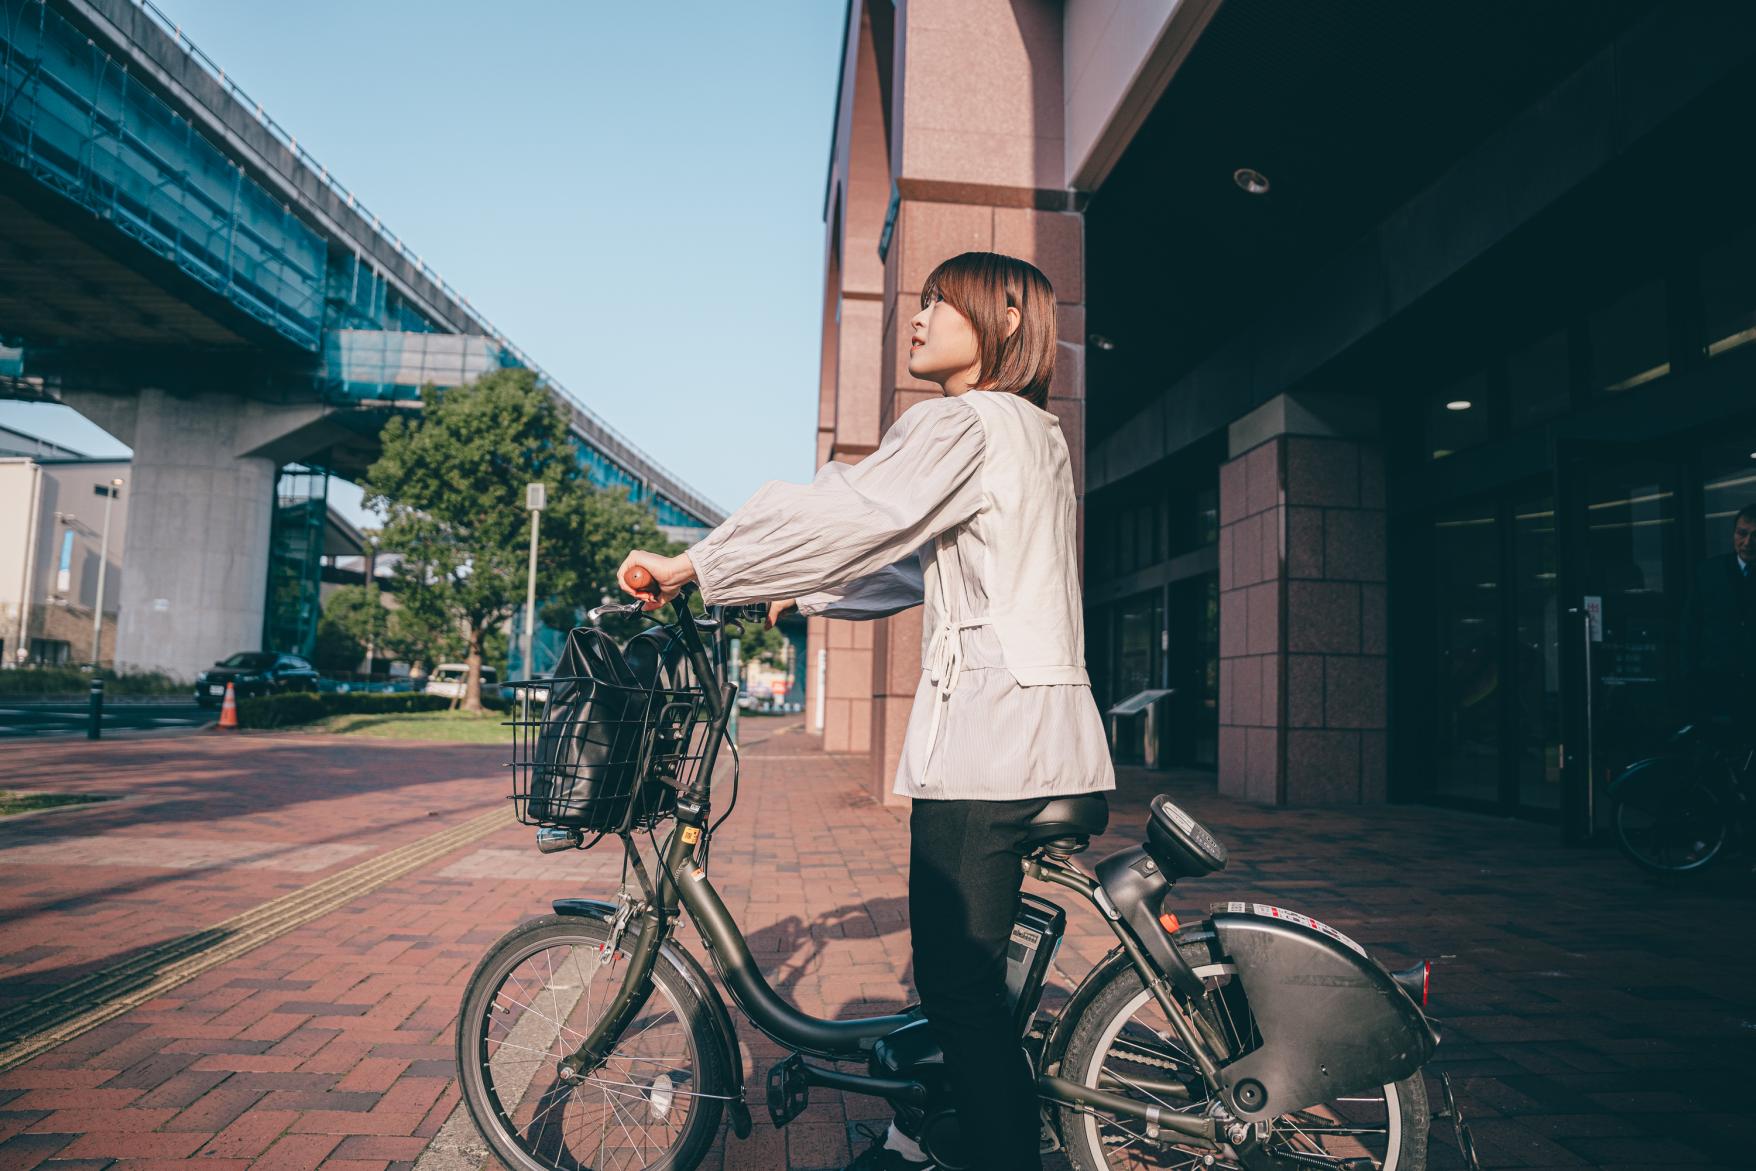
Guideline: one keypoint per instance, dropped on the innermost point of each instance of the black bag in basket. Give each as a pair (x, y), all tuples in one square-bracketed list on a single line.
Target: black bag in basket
[(588, 748)]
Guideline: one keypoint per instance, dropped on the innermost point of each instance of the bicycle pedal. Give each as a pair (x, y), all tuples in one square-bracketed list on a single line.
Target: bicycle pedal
[(788, 1091)]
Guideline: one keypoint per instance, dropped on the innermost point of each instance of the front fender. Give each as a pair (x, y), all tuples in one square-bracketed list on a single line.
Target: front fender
[(692, 973)]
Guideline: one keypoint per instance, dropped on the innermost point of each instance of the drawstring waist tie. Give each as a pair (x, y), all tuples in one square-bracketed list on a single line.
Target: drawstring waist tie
[(944, 664)]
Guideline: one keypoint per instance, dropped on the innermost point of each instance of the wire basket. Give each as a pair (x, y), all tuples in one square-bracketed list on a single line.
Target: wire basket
[(604, 757)]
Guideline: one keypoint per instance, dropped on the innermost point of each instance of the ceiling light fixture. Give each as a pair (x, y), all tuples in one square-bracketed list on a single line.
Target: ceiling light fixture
[(1251, 180), (1459, 404)]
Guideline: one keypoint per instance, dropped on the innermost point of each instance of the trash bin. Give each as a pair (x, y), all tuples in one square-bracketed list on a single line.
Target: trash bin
[(1138, 727)]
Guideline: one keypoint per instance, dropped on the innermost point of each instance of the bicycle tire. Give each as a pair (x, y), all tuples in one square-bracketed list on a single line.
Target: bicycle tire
[(1116, 1003), (1675, 794), (476, 1049)]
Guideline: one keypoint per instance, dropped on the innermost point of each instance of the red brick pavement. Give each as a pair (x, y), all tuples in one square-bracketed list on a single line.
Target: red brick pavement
[(1590, 1016)]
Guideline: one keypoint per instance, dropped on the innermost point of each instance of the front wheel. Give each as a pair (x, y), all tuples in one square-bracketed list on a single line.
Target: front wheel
[(1123, 1043), (654, 1105)]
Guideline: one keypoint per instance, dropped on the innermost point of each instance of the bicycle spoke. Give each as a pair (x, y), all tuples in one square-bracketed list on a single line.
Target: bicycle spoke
[(540, 1016), (623, 1115)]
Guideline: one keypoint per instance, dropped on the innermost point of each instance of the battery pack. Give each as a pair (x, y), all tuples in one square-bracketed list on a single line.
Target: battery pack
[(1036, 933)]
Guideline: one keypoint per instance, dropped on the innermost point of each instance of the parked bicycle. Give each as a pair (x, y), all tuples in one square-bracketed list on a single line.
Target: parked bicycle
[(1681, 810), (1254, 1037)]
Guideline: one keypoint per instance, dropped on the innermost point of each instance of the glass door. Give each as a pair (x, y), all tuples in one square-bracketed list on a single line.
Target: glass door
[(1536, 655), (1622, 569), (1497, 692), (1468, 720), (1193, 669)]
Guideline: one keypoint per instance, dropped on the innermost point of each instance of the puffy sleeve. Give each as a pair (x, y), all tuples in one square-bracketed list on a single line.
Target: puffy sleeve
[(877, 595), (852, 520)]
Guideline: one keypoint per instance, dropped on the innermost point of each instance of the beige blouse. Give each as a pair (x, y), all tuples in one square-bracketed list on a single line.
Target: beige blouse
[(867, 540)]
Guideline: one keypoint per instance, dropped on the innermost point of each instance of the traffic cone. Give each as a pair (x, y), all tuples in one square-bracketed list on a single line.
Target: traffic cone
[(229, 709)]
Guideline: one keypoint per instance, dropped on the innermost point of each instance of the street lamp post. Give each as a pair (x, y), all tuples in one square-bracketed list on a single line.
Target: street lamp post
[(97, 613), (535, 497)]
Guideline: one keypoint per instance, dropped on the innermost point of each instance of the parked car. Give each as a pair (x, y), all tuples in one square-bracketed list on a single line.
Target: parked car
[(253, 673), (536, 695), (448, 680)]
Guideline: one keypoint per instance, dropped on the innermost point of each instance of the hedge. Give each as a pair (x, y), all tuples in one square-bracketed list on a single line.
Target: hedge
[(67, 681), (304, 707)]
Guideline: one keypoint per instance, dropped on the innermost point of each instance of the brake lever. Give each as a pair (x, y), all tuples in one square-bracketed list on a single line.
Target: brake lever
[(596, 614)]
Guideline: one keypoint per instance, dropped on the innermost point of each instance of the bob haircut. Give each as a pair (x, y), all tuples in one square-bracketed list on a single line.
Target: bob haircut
[(980, 285)]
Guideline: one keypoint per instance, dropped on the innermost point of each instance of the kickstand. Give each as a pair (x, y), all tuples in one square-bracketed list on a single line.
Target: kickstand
[(1466, 1143)]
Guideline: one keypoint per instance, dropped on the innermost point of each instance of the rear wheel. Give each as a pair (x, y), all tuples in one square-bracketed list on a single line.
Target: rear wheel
[(1671, 820), (656, 1103), (1124, 1044)]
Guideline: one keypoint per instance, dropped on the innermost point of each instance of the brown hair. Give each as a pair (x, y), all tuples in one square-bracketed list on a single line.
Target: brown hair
[(980, 285)]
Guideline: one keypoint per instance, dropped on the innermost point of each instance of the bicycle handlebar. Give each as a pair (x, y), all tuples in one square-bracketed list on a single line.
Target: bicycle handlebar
[(688, 626)]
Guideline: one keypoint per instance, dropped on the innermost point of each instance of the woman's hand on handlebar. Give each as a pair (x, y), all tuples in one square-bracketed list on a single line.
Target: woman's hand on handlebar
[(654, 578), (776, 609)]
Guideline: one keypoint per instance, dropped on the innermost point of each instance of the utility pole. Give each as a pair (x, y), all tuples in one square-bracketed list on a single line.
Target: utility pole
[(97, 614), (371, 604), (535, 498)]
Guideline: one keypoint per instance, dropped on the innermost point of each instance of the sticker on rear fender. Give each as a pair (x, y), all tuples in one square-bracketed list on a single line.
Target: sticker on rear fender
[(1268, 912)]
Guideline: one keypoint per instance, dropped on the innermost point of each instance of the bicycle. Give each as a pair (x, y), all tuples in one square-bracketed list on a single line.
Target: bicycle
[(1677, 812), (1254, 1038)]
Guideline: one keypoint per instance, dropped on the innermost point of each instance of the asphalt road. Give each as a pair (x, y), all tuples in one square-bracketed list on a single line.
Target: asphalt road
[(72, 717)]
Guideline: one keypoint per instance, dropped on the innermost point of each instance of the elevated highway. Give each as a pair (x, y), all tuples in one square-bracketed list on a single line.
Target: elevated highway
[(177, 268)]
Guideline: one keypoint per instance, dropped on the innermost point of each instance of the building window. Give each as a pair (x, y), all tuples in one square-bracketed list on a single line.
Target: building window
[(49, 652), (1630, 340), (1207, 515), (1194, 518), (1458, 417), (1728, 294), (1139, 622), (64, 566), (1539, 381)]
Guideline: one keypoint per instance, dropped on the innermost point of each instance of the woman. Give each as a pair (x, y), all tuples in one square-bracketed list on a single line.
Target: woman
[(968, 507)]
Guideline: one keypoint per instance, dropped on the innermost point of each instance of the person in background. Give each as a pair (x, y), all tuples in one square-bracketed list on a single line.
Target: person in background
[(1719, 633)]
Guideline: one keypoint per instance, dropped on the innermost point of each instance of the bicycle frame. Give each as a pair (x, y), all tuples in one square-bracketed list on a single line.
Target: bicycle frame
[(682, 884)]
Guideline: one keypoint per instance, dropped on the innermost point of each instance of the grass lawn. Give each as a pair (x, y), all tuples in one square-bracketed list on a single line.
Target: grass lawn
[(463, 727), (11, 802)]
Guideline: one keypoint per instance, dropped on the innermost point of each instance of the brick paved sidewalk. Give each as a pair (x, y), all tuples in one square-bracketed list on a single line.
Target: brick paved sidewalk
[(1580, 997)]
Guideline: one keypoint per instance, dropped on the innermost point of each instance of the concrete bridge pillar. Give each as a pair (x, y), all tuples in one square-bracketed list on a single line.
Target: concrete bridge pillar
[(197, 553), (202, 502)]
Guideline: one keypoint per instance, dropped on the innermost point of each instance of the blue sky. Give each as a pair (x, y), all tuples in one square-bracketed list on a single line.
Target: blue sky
[(633, 192)]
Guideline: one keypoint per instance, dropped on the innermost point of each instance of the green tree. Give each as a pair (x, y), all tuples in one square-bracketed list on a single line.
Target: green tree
[(420, 632), (347, 626), (759, 645), (451, 482)]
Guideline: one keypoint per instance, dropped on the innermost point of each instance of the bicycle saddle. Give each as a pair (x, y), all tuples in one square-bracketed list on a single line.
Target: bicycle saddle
[(1072, 818)]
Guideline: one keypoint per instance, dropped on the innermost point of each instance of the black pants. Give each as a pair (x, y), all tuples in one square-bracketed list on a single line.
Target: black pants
[(964, 879)]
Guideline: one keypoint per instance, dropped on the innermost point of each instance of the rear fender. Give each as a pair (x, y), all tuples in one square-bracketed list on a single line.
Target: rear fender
[(692, 973), (1332, 1020)]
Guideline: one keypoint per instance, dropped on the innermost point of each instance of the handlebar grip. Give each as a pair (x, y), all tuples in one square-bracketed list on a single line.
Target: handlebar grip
[(639, 578)]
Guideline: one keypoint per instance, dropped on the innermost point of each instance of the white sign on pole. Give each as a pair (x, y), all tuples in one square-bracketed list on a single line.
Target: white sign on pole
[(1594, 609)]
